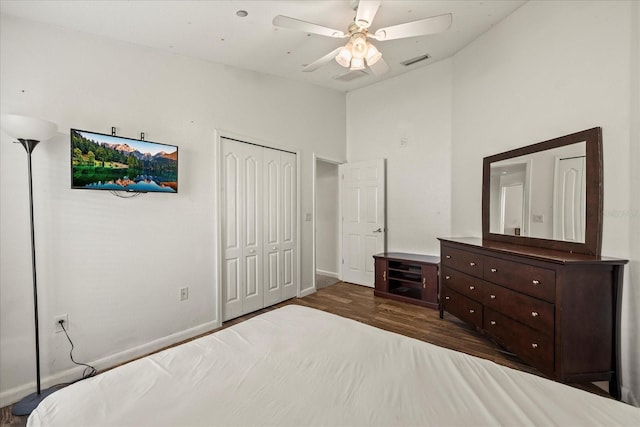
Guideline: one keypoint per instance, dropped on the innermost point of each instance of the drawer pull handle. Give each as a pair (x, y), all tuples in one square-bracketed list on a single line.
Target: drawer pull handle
[(535, 282), (492, 296), (534, 345), (448, 256), (472, 311), (471, 287), (493, 270), (534, 314), (447, 277), (424, 282), (447, 297), (472, 264), (493, 322)]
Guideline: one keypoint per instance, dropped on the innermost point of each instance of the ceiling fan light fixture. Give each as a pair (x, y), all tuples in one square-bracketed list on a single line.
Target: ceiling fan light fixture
[(359, 42), (357, 64), (373, 54), (344, 56)]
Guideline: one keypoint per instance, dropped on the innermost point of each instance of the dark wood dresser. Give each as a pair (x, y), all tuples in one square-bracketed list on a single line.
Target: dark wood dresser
[(407, 277), (557, 311)]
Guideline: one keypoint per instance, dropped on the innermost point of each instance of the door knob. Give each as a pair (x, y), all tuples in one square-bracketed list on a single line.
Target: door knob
[(379, 230)]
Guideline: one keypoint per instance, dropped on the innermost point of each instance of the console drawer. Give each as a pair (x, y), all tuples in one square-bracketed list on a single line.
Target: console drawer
[(467, 262), (528, 279), (469, 286), (530, 345), (462, 307), (533, 312)]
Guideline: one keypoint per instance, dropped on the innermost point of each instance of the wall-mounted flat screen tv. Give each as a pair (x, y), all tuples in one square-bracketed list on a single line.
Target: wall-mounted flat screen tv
[(107, 162)]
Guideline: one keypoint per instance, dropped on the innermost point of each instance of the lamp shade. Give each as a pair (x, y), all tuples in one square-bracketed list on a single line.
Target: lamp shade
[(24, 127)]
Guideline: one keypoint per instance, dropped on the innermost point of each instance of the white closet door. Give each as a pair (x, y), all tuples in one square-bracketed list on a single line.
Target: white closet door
[(280, 202), (288, 240), (241, 229), (272, 227)]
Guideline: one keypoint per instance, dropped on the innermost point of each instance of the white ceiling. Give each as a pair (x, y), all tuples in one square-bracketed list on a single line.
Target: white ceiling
[(210, 30)]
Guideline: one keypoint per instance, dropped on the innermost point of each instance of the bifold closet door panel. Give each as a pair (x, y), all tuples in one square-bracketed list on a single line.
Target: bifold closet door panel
[(242, 281), (288, 246), (280, 236)]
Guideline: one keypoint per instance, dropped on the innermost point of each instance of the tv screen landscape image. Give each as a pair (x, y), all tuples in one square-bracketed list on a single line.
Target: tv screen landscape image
[(107, 162)]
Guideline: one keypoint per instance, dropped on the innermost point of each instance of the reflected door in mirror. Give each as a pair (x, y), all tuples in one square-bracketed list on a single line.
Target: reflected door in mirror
[(540, 195)]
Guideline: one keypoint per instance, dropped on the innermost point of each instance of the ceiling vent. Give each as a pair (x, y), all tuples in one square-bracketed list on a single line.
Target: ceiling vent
[(351, 75), (415, 60)]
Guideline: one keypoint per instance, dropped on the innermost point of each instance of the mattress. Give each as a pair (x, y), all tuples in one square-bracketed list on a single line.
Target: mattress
[(297, 366)]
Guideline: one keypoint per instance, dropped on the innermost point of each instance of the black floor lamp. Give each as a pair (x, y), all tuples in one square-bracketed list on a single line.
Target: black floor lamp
[(29, 132)]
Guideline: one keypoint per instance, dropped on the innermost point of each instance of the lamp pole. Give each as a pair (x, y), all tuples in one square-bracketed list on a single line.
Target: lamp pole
[(29, 145)]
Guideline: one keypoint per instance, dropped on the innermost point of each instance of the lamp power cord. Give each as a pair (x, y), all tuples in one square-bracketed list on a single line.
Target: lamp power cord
[(89, 371)]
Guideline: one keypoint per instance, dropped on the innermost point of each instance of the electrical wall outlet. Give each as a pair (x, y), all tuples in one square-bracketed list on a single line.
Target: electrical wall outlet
[(184, 294), (65, 320)]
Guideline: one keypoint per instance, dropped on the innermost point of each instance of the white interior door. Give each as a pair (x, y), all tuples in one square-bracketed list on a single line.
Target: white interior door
[(569, 199), (289, 238), (362, 186), (280, 222), (242, 283), (259, 227)]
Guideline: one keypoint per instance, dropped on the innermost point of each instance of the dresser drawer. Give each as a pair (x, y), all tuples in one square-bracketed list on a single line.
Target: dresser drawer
[(535, 281), (467, 262), (533, 312), (465, 284), (462, 307), (530, 345)]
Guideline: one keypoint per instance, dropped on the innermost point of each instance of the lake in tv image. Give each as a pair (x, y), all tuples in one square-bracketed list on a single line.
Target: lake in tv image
[(106, 162)]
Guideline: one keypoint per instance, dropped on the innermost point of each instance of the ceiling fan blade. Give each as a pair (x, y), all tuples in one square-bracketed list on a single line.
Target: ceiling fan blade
[(322, 61), (366, 11), (307, 27), (422, 27), (380, 67)]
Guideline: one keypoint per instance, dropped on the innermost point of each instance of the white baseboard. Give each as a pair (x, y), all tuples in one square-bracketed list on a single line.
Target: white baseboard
[(307, 291), (13, 395), (327, 273)]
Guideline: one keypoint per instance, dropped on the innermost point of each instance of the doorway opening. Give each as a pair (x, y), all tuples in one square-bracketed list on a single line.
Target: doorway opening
[(326, 223)]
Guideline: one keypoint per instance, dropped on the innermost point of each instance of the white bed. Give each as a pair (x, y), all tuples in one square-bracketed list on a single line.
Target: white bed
[(297, 366)]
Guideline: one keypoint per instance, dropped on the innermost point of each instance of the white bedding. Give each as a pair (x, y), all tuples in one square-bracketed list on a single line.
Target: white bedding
[(297, 366)]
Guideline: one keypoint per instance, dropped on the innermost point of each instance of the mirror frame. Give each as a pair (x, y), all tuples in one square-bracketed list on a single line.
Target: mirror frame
[(593, 227)]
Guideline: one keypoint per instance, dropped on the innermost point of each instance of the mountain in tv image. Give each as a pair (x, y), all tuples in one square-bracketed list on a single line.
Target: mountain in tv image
[(107, 162)]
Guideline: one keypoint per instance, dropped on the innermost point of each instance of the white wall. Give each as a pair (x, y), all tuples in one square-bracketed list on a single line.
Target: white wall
[(115, 265), (416, 108), (550, 69), (327, 215)]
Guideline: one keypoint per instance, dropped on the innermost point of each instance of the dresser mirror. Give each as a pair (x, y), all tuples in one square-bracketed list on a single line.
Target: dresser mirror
[(547, 194)]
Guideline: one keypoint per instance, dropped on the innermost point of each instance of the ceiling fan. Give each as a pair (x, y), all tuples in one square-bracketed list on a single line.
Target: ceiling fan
[(359, 51)]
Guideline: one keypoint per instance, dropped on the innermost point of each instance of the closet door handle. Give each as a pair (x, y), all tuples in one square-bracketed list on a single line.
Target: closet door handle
[(424, 282), (379, 230)]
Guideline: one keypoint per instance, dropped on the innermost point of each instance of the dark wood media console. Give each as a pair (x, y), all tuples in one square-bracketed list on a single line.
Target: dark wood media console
[(558, 311), (407, 277)]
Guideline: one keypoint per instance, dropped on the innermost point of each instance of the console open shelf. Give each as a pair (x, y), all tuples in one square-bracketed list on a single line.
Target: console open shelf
[(407, 277)]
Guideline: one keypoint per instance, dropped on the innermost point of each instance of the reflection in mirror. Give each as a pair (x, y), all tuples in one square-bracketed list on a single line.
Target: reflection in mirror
[(540, 195)]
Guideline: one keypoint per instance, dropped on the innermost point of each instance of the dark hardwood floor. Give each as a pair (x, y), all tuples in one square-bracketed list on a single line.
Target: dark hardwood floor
[(359, 303)]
